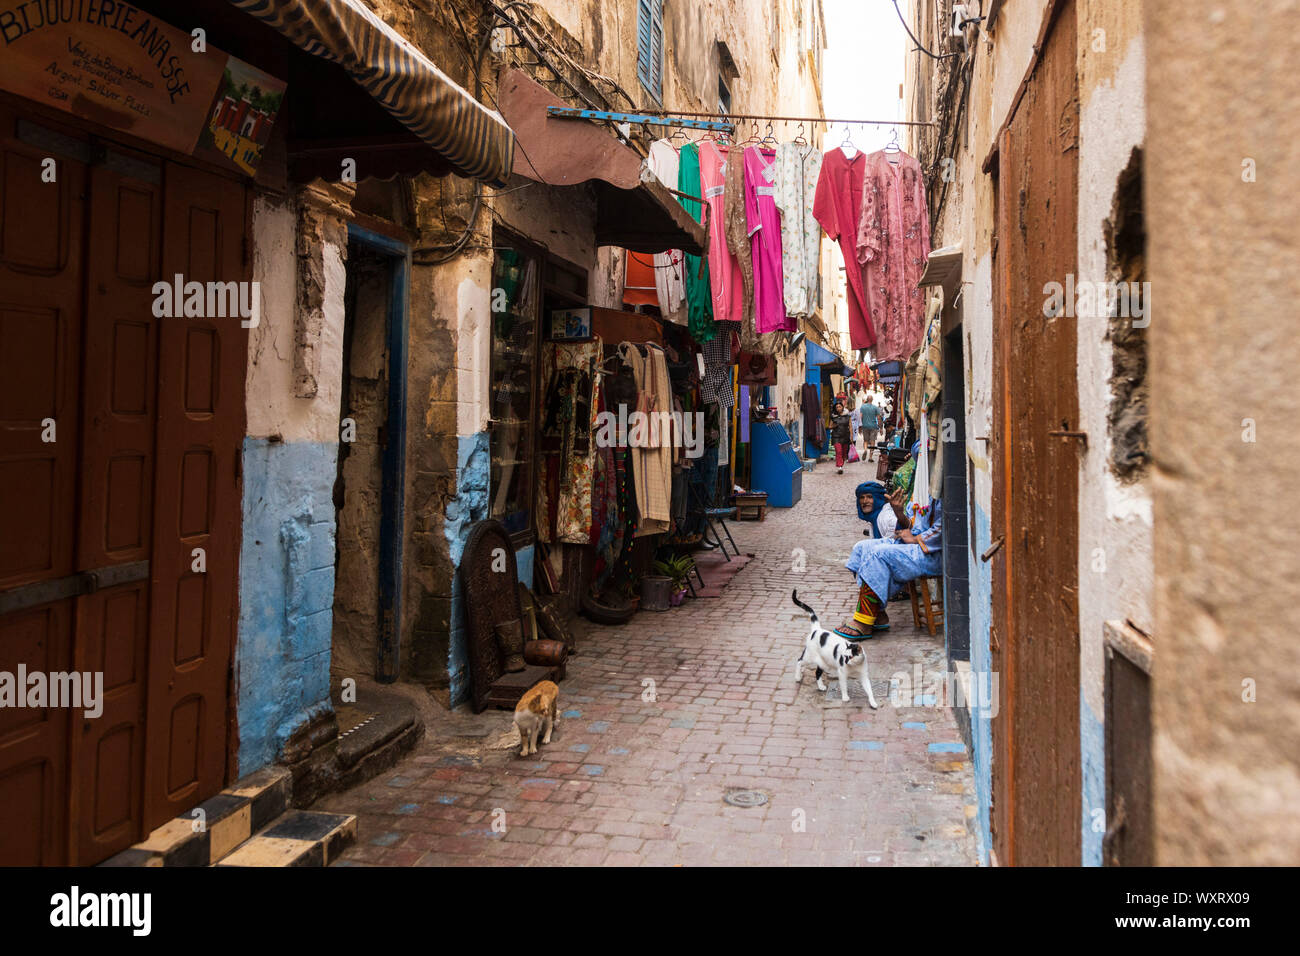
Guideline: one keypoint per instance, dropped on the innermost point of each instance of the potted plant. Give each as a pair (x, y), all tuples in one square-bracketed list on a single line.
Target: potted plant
[(676, 569)]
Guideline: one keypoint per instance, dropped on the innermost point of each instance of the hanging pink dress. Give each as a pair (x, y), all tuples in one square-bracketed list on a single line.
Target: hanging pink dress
[(764, 222), (893, 246), (725, 278), (838, 207)]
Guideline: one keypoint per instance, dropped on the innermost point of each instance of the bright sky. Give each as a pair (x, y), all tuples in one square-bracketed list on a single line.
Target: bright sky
[(863, 68)]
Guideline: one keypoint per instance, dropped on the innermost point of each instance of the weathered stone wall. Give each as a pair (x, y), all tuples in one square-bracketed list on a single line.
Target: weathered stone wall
[(282, 654), (1223, 140)]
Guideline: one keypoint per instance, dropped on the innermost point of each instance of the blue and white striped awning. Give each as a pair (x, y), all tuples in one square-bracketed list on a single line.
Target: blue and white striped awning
[(474, 140)]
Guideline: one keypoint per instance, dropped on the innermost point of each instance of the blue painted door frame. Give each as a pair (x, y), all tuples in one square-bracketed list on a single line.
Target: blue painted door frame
[(388, 653)]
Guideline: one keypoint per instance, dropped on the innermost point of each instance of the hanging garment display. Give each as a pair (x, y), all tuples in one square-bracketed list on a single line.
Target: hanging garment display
[(763, 221), (670, 266), (573, 395), (741, 247), (798, 171), (716, 384), (725, 276), (838, 207), (893, 245), (724, 436), (699, 292), (743, 412), (639, 279), (814, 429), (735, 229), (651, 466)]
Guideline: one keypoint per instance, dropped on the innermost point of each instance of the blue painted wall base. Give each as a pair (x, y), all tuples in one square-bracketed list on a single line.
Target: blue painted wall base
[(286, 588)]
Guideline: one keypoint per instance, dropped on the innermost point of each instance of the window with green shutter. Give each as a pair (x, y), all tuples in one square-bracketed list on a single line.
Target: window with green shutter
[(650, 46)]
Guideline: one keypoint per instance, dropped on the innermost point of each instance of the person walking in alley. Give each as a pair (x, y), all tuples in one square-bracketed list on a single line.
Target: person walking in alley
[(881, 569), (841, 435), (870, 413)]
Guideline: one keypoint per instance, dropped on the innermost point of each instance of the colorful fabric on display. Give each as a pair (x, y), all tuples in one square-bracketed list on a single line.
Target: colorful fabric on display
[(764, 223), (735, 229), (814, 428), (744, 413), (798, 170), (893, 244), (838, 207), (575, 414), (716, 386), (651, 467), (699, 291), (670, 266), (726, 281), (639, 280)]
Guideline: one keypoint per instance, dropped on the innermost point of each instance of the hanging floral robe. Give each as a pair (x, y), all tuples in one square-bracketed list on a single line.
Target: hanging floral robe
[(893, 246)]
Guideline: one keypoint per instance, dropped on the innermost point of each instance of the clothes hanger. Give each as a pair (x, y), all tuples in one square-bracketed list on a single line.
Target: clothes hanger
[(752, 138), (892, 146), (847, 143), (800, 139), (768, 138)]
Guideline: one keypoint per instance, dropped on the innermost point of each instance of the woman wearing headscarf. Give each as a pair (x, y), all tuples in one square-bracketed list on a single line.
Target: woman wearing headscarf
[(840, 426)]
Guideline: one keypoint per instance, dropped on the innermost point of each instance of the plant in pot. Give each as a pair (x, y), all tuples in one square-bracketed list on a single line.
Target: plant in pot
[(677, 569)]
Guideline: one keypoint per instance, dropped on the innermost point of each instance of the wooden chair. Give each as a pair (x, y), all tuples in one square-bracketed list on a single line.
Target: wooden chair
[(922, 604), (491, 597)]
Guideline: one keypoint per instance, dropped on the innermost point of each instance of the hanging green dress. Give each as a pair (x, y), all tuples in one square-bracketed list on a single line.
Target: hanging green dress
[(699, 293)]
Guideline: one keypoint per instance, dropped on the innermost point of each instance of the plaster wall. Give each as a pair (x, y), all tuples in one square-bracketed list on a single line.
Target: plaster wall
[(1115, 569), (282, 654), (1223, 138)]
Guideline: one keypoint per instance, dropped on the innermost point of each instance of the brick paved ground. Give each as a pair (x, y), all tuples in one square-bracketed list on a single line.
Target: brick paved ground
[(630, 782)]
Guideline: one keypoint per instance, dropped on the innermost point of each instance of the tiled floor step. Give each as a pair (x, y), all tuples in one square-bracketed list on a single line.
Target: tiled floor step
[(299, 838), (225, 822)]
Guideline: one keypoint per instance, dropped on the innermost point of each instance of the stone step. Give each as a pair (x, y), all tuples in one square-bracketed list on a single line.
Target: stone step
[(298, 838), (214, 828)]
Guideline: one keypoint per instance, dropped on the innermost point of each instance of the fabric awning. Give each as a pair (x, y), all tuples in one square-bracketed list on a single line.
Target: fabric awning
[(633, 210), (473, 140)]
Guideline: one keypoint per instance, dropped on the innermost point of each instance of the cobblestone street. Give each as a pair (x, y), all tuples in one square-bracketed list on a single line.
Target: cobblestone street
[(627, 781)]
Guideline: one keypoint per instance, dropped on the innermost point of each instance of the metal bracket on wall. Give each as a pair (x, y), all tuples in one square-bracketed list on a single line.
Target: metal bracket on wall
[(993, 548)]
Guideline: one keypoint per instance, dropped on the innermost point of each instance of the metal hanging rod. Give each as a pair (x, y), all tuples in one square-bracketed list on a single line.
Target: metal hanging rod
[(712, 120)]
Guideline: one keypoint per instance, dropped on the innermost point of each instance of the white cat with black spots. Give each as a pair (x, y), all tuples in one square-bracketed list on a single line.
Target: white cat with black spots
[(828, 651)]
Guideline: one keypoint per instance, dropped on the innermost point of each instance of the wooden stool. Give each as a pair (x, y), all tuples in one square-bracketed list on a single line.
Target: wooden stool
[(750, 506), (919, 592)]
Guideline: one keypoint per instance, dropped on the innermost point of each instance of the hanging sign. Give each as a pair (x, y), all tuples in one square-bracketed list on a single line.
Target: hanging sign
[(114, 64)]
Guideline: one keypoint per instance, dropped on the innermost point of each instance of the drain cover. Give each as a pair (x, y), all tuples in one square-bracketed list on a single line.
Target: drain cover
[(745, 798)]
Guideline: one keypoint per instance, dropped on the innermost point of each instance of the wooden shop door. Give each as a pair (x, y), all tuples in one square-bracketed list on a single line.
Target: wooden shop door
[(1036, 774), (98, 525)]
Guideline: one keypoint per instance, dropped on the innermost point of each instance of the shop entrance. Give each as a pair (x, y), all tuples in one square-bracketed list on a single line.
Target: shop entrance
[(368, 492), (120, 435)]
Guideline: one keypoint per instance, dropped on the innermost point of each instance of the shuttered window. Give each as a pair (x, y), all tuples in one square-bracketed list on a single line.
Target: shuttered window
[(650, 46)]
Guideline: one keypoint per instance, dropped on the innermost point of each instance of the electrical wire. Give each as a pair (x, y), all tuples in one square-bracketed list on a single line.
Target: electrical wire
[(903, 21)]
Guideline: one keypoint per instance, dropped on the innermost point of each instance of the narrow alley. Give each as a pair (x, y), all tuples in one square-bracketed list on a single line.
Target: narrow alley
[(628, 781)]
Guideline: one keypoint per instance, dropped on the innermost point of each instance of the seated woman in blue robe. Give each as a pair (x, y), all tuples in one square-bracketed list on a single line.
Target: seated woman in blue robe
[(881, 568)]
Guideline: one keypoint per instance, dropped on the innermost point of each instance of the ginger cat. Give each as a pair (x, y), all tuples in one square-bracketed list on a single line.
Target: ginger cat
[(537, 710)]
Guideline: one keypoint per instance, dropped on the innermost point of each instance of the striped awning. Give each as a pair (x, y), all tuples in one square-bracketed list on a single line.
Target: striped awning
[(474, 140)]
